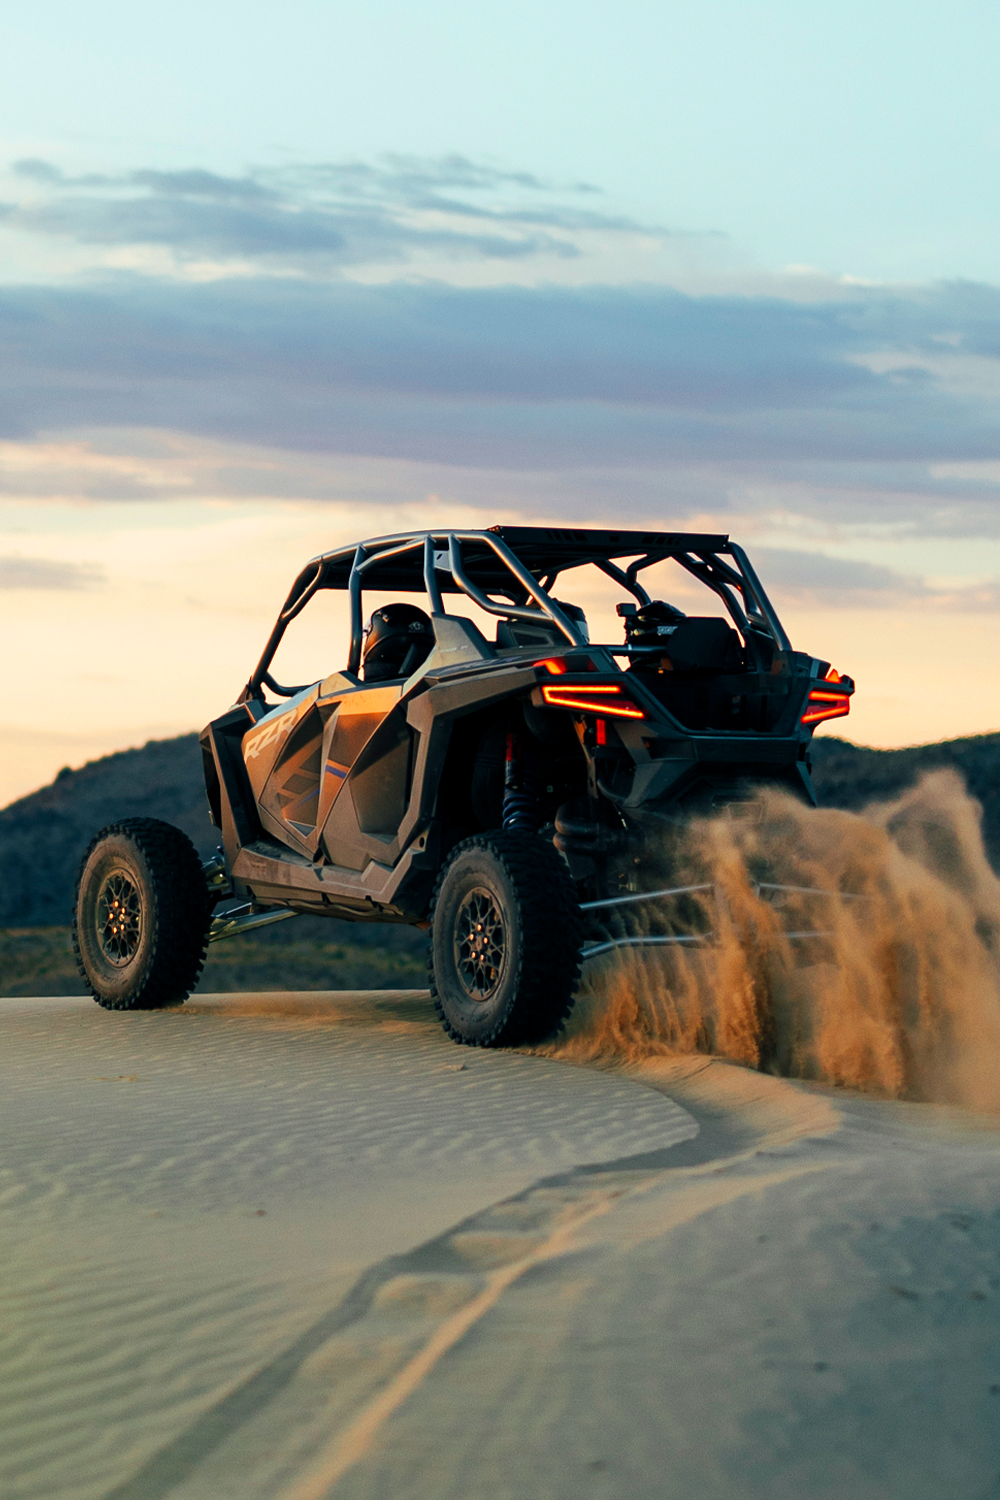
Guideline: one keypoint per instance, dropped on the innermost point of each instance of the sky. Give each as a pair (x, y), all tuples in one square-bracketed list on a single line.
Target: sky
[(276, 277)]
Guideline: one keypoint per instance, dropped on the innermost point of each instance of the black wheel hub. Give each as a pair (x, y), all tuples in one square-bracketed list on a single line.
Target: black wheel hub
[(119, 919), (480, 944)]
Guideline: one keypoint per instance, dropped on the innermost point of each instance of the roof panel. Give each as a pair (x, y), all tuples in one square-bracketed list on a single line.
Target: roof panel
[(541, 549)]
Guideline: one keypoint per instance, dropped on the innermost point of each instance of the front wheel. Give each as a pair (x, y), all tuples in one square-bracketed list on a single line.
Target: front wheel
[(505, 942), (143, 911)]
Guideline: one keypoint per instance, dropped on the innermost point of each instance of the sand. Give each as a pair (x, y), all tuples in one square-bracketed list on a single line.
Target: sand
[(298, 1246)]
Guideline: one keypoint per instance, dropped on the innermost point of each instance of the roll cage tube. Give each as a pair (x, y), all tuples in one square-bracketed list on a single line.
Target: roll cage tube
[(760, 598), (299, 595), (757, 613), (431, 586), (529, 584), (310, 581), (627, 578), (755, 618), (431, 567)]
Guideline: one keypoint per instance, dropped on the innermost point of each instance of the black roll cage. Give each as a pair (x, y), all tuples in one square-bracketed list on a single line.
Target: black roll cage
[(521, 563)]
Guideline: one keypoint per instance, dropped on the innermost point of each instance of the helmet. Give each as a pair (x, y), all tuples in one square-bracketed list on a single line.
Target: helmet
[(652, 624), (399, 638)]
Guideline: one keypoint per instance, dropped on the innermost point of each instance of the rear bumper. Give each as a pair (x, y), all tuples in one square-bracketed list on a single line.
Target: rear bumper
[(695, 769)]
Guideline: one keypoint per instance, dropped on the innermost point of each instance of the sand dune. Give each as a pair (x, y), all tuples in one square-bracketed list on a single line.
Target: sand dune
[(182, 1194), (296, 1246)]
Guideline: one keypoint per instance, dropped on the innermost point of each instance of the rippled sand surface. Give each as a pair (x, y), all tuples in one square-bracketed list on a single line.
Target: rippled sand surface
[(184, 1193), (294, 1247)]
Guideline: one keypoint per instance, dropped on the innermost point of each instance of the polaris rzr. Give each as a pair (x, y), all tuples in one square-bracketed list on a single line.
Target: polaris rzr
[(499, 791)]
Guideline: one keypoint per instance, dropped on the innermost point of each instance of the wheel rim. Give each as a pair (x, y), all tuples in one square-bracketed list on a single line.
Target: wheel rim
[(480, 945), (119, 920)]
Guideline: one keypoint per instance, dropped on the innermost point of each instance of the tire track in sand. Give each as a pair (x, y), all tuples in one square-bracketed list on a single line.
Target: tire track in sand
[(301, 1424)]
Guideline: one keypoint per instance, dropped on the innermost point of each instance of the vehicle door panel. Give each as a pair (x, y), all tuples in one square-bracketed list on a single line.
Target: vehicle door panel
[(358, 718), (367, 804), (283, 757), (301, 756)]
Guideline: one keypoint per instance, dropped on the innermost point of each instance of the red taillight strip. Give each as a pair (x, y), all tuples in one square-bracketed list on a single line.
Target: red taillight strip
[(837, 705), (593, 698)]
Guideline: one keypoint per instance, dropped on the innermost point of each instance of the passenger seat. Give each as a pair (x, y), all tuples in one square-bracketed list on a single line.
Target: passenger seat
[(704, 643)]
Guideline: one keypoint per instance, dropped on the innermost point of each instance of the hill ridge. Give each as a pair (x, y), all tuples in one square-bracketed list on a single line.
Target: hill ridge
[(43, 835)]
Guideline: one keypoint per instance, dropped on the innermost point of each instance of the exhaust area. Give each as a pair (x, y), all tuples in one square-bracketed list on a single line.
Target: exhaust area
[(899, 997)]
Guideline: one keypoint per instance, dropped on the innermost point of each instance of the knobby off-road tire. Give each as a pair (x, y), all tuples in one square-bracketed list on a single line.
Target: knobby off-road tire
[(506, 932), (140, 925)]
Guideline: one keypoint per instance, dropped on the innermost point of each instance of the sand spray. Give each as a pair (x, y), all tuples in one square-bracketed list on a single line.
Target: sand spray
[(900, 996)]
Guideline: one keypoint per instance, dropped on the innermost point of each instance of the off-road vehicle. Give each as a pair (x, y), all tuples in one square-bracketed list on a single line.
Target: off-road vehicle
[(500, 792)]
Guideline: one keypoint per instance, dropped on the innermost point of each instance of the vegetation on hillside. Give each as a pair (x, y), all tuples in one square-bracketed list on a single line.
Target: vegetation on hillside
[(304, 954)]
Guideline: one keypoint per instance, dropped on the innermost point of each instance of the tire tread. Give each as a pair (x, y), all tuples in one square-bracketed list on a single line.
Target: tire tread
[(183, 910), (553, 932)]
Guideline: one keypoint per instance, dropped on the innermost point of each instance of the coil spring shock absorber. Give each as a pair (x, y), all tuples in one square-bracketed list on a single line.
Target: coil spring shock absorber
[(520, 792)]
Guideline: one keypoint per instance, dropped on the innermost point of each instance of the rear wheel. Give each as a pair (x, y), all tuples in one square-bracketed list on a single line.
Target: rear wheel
[(505, 941), (140, 928)]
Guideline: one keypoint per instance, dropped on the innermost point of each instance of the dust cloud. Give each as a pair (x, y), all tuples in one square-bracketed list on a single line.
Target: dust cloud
[(899, 995)]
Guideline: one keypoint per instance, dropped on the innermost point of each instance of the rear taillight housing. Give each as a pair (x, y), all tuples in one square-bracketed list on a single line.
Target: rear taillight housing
[(605, 698), (824, 703)]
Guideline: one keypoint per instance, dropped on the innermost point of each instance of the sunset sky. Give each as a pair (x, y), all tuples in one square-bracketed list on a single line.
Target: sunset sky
[(273, 278)]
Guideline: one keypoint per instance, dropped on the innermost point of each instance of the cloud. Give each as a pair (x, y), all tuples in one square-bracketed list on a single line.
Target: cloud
[(853, 406), (814, 573), (42, 573), (817, 580), (644, 350), (36, 170), (768, 395), (318, 216)]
